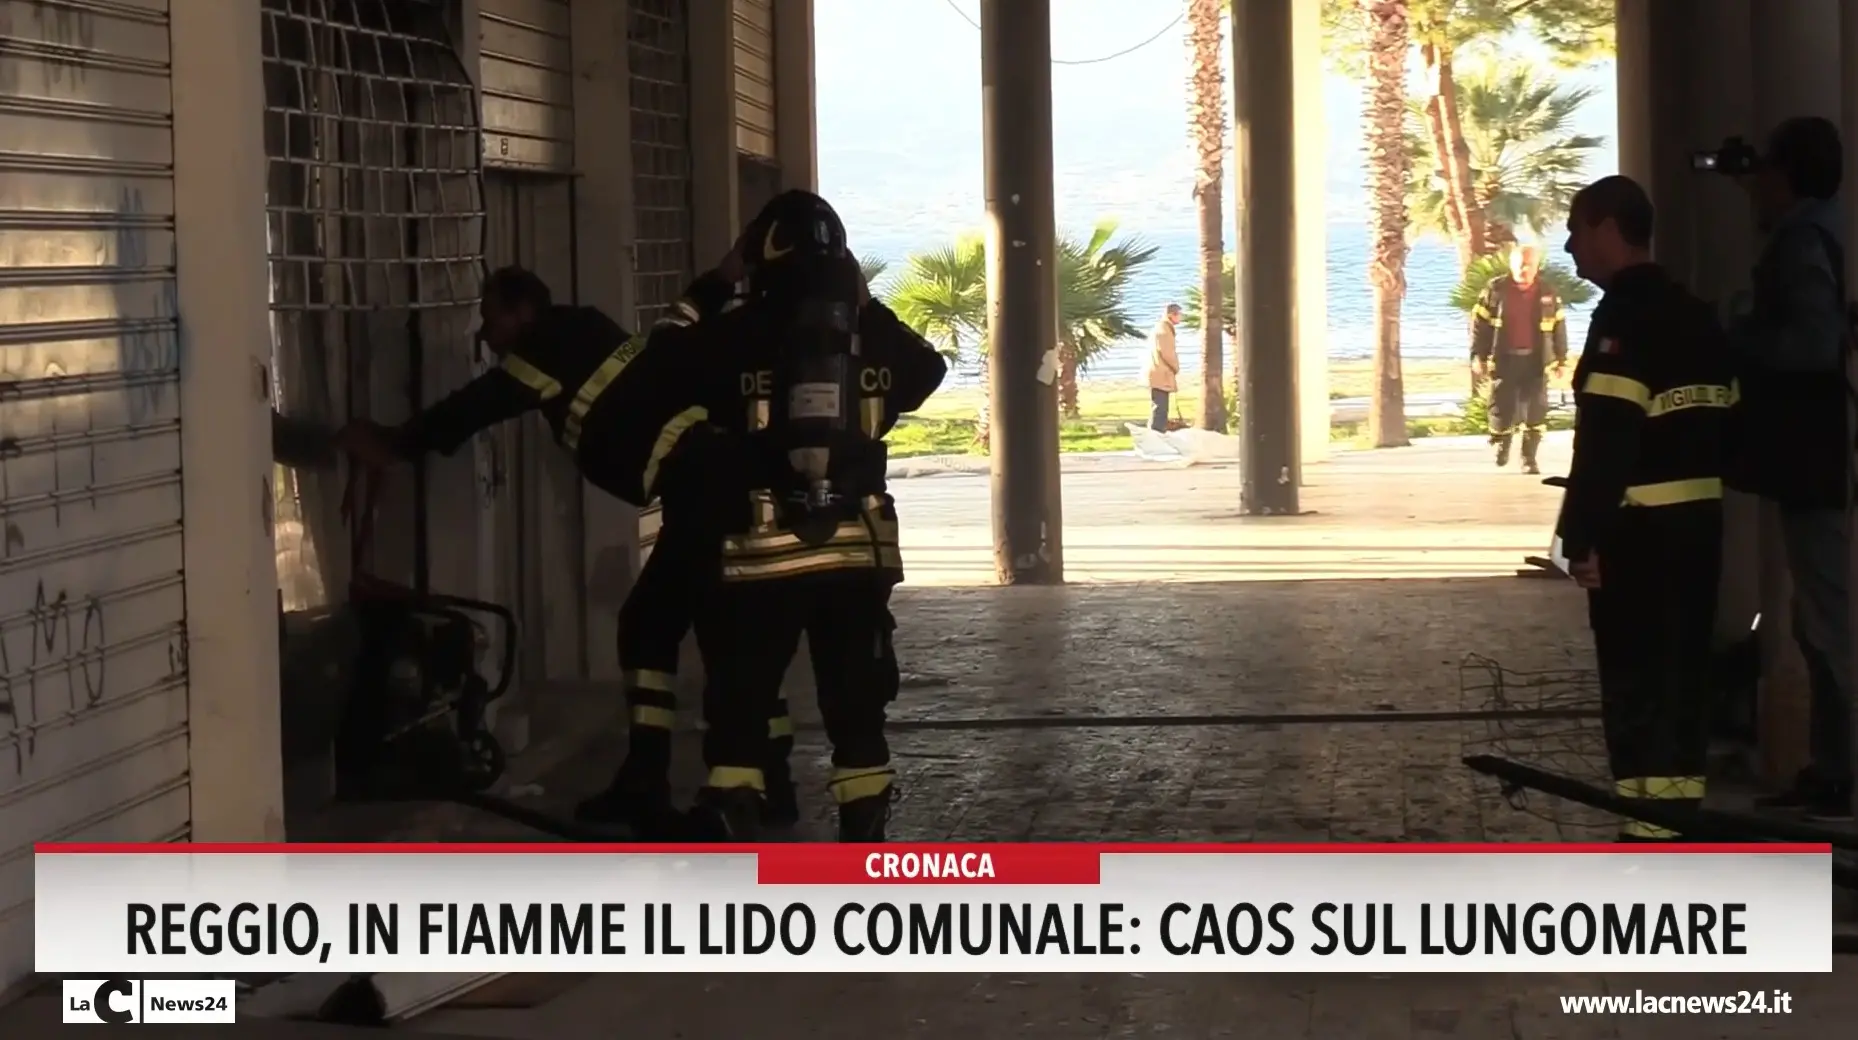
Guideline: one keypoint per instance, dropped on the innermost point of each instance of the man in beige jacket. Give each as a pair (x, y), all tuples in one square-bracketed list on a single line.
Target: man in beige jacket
[(1163, 366)]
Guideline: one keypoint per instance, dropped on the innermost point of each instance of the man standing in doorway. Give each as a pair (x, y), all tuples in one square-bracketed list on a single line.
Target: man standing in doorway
[(1518, 330), (1164, 365)]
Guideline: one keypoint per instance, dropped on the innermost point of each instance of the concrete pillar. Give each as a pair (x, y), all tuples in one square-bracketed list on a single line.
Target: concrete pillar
[(1022, 289), (1796, 63), (1312, 233), (1655, 59), (1723, 237), (1848, 93), (603, 278), (795, 111), (714, 195), (232, 625), (1265, 178)]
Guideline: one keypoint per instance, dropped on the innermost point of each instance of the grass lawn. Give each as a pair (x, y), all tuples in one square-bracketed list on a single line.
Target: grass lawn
[(946, 425)]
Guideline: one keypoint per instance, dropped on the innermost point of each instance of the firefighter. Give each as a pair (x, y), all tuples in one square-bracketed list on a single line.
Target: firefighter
[(1518, 330), (1641, 524), (814, 558), (560, 360), (652, 624)]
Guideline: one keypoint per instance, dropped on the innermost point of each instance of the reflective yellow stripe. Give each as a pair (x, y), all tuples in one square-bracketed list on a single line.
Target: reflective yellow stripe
[(650, 679), (1481, 311), (1605, 384), (689, 309), (871, 415), (591, 390), (532, 377), (1683, 398), (1674, 787), (1548, 323), (653, 718), (1641, 829), (780, 726), (1632, 787), (849, 785), (809, 561), (727, 777), (1674, 492), (667, 439)]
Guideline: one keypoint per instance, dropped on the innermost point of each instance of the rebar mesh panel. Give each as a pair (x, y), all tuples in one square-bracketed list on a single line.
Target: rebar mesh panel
[(1546, 719), (658, 42), (374, 206)]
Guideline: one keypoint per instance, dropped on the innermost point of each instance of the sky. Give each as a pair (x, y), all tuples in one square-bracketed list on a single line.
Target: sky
[(900, 100)]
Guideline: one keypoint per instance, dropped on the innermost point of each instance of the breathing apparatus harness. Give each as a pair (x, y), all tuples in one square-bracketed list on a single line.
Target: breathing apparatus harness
[(818, 460)]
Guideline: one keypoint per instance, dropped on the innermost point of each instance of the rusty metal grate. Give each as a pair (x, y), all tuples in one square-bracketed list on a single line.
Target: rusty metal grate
[(658, 41), (375, 228)]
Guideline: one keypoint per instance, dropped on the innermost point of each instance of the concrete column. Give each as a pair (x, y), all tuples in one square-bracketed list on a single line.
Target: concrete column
[(1022, 289), (1795, 47), (795, 111), (1312, 233), (1848, 94), (714, 198), (1265, 178), (1655, 59), (232, 626), (1723, 236), (604, 235)]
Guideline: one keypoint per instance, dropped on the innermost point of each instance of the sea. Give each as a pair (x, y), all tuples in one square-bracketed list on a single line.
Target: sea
[(1430, 327), (899, 134)]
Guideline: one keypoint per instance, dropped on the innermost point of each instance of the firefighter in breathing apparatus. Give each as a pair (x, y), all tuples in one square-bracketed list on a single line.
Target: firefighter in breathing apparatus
[(560, 360), (652, 625), (1642, 521), (765, 425)]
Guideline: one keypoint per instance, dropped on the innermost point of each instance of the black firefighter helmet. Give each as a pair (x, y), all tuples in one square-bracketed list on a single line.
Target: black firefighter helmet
[(796, 240)]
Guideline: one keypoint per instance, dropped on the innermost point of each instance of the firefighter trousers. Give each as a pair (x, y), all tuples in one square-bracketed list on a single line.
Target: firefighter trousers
[(1519, 400), (657, 614), (757, 628), (1653, 624)]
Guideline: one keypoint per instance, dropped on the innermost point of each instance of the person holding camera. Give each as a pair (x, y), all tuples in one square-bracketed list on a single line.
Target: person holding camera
[(1788, 335)]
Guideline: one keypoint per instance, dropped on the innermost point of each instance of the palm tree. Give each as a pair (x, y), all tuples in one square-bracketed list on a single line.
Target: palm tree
[(1193, 312), (872, 269), (1388, 172), (1206, 120), (1525, 161), (1093, 310), (942, 294)]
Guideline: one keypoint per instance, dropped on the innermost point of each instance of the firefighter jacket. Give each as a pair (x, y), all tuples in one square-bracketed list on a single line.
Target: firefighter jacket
[(1653, 394), (697, 390), (1493, 324), (562, 367)]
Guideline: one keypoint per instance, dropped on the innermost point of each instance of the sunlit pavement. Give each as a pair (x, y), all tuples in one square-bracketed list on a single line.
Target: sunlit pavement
[(1184, 699), (1439, 508)]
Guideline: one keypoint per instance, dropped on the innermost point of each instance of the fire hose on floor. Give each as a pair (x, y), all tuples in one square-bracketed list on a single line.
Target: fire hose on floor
[(1706, 825)]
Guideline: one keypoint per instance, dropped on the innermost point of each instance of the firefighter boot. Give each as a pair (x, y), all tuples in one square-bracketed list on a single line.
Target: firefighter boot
[(727, 814), (1532, 440), (862, 820), (639, 798), (1502, 441), (782, 808)]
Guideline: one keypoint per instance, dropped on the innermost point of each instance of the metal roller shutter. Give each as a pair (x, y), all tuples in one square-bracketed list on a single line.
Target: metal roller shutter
[(754, 77), (538, 503), (528, 75), (658, 46), (93, 653)]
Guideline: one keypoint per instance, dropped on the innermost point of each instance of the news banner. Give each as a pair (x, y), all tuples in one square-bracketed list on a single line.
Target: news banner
[(138, 911)]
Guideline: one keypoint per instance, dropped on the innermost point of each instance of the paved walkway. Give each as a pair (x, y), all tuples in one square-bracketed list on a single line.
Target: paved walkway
[(1212, 707)]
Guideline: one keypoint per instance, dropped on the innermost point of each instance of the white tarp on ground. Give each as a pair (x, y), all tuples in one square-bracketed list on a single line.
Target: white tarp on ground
[(1183, 447)]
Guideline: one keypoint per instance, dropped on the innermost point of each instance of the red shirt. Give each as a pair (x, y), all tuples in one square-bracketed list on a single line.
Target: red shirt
[(1519, 327)]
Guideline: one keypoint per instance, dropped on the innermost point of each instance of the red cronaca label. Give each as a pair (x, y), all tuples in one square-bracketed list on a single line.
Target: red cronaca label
[(928, 865)]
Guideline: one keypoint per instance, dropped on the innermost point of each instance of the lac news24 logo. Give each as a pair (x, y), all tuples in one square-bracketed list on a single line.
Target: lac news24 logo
[(132, 1001)]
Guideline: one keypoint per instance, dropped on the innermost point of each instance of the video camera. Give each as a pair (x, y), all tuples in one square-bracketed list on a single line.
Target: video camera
[(1735, 158)]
